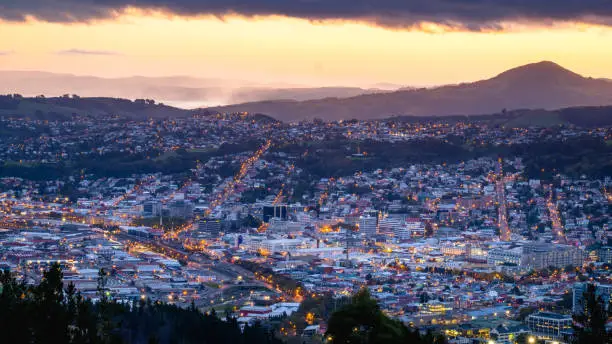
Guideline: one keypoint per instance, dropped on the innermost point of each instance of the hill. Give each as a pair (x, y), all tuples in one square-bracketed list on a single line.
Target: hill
[(543, 85), (65, 107), (181, 91)]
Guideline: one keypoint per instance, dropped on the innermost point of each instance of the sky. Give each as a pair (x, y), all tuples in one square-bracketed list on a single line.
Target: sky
[(305, 42)]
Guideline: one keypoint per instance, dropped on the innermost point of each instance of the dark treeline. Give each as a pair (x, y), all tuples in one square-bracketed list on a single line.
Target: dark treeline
[(52, 313)]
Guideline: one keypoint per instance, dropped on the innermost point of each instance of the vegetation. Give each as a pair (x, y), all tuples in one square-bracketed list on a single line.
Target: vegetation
[(590, 327), (50, 313), (362, 321), (123, 164), (543, 160), (63, 108)]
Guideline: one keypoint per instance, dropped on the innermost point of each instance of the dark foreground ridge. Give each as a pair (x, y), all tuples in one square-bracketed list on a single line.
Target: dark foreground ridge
[(53, 313)]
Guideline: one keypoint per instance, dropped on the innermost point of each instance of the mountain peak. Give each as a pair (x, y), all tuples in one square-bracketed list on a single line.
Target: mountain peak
[(538, 72)]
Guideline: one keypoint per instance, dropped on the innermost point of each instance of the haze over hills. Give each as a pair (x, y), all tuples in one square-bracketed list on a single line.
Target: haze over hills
[(181, 91), (543, 85), (540, 86)]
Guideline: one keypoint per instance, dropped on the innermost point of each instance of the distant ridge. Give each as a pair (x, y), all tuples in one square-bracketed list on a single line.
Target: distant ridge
[(66, 108), (542, 85), (183, 91)]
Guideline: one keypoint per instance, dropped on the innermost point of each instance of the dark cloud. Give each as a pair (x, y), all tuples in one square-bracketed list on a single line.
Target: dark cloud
[(463, 14), (88, 52)]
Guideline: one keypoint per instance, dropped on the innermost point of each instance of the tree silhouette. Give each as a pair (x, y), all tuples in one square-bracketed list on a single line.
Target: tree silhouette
[(50, 313), (362, 321), (590, 326)]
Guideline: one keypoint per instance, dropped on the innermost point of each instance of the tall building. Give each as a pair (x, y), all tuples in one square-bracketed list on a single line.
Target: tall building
[(209, 225), (368, 225), (601, 290)]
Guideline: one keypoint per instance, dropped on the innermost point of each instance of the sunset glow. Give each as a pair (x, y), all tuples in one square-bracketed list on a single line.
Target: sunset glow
[(275, 50)]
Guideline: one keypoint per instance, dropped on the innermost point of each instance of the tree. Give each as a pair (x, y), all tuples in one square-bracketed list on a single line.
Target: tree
[(429, 230), (522, 338), (251, 221), (567, 301), (47, 313), (590, 326), (424, 298), (52, 319), (516, 291), (362, 321)]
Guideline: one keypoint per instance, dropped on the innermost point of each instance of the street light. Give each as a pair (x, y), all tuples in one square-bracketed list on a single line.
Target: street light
[(531, 340)]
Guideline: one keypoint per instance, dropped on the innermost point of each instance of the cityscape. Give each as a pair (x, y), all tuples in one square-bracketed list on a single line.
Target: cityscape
[(305, 172), (475, 250)]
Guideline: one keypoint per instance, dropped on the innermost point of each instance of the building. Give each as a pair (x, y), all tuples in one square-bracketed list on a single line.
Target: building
[(547, 325), (181, 209), (601, 290), (507, 334), (604, 254), (152, 208), (388, 225), (415, 227), (280, 245), (209, 225), (501, 256), (542, 255), (368, 225)]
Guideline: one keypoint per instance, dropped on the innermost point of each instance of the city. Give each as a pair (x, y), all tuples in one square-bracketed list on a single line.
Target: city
[(305, 172), (477, 250)]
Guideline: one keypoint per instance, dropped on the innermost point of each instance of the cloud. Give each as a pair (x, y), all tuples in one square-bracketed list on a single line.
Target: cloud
[(88, 52), (6, 52), (473, 15)]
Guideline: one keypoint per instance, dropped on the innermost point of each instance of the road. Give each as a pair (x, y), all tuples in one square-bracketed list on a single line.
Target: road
[(555, 218), (500, 189)]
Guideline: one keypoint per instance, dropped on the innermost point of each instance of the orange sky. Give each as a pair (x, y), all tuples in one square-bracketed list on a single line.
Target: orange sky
[(282, 50)]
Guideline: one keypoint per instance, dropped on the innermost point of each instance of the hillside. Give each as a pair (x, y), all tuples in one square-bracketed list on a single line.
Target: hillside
[(586, 117), (66, 107), (176, 90), (543, 85)]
